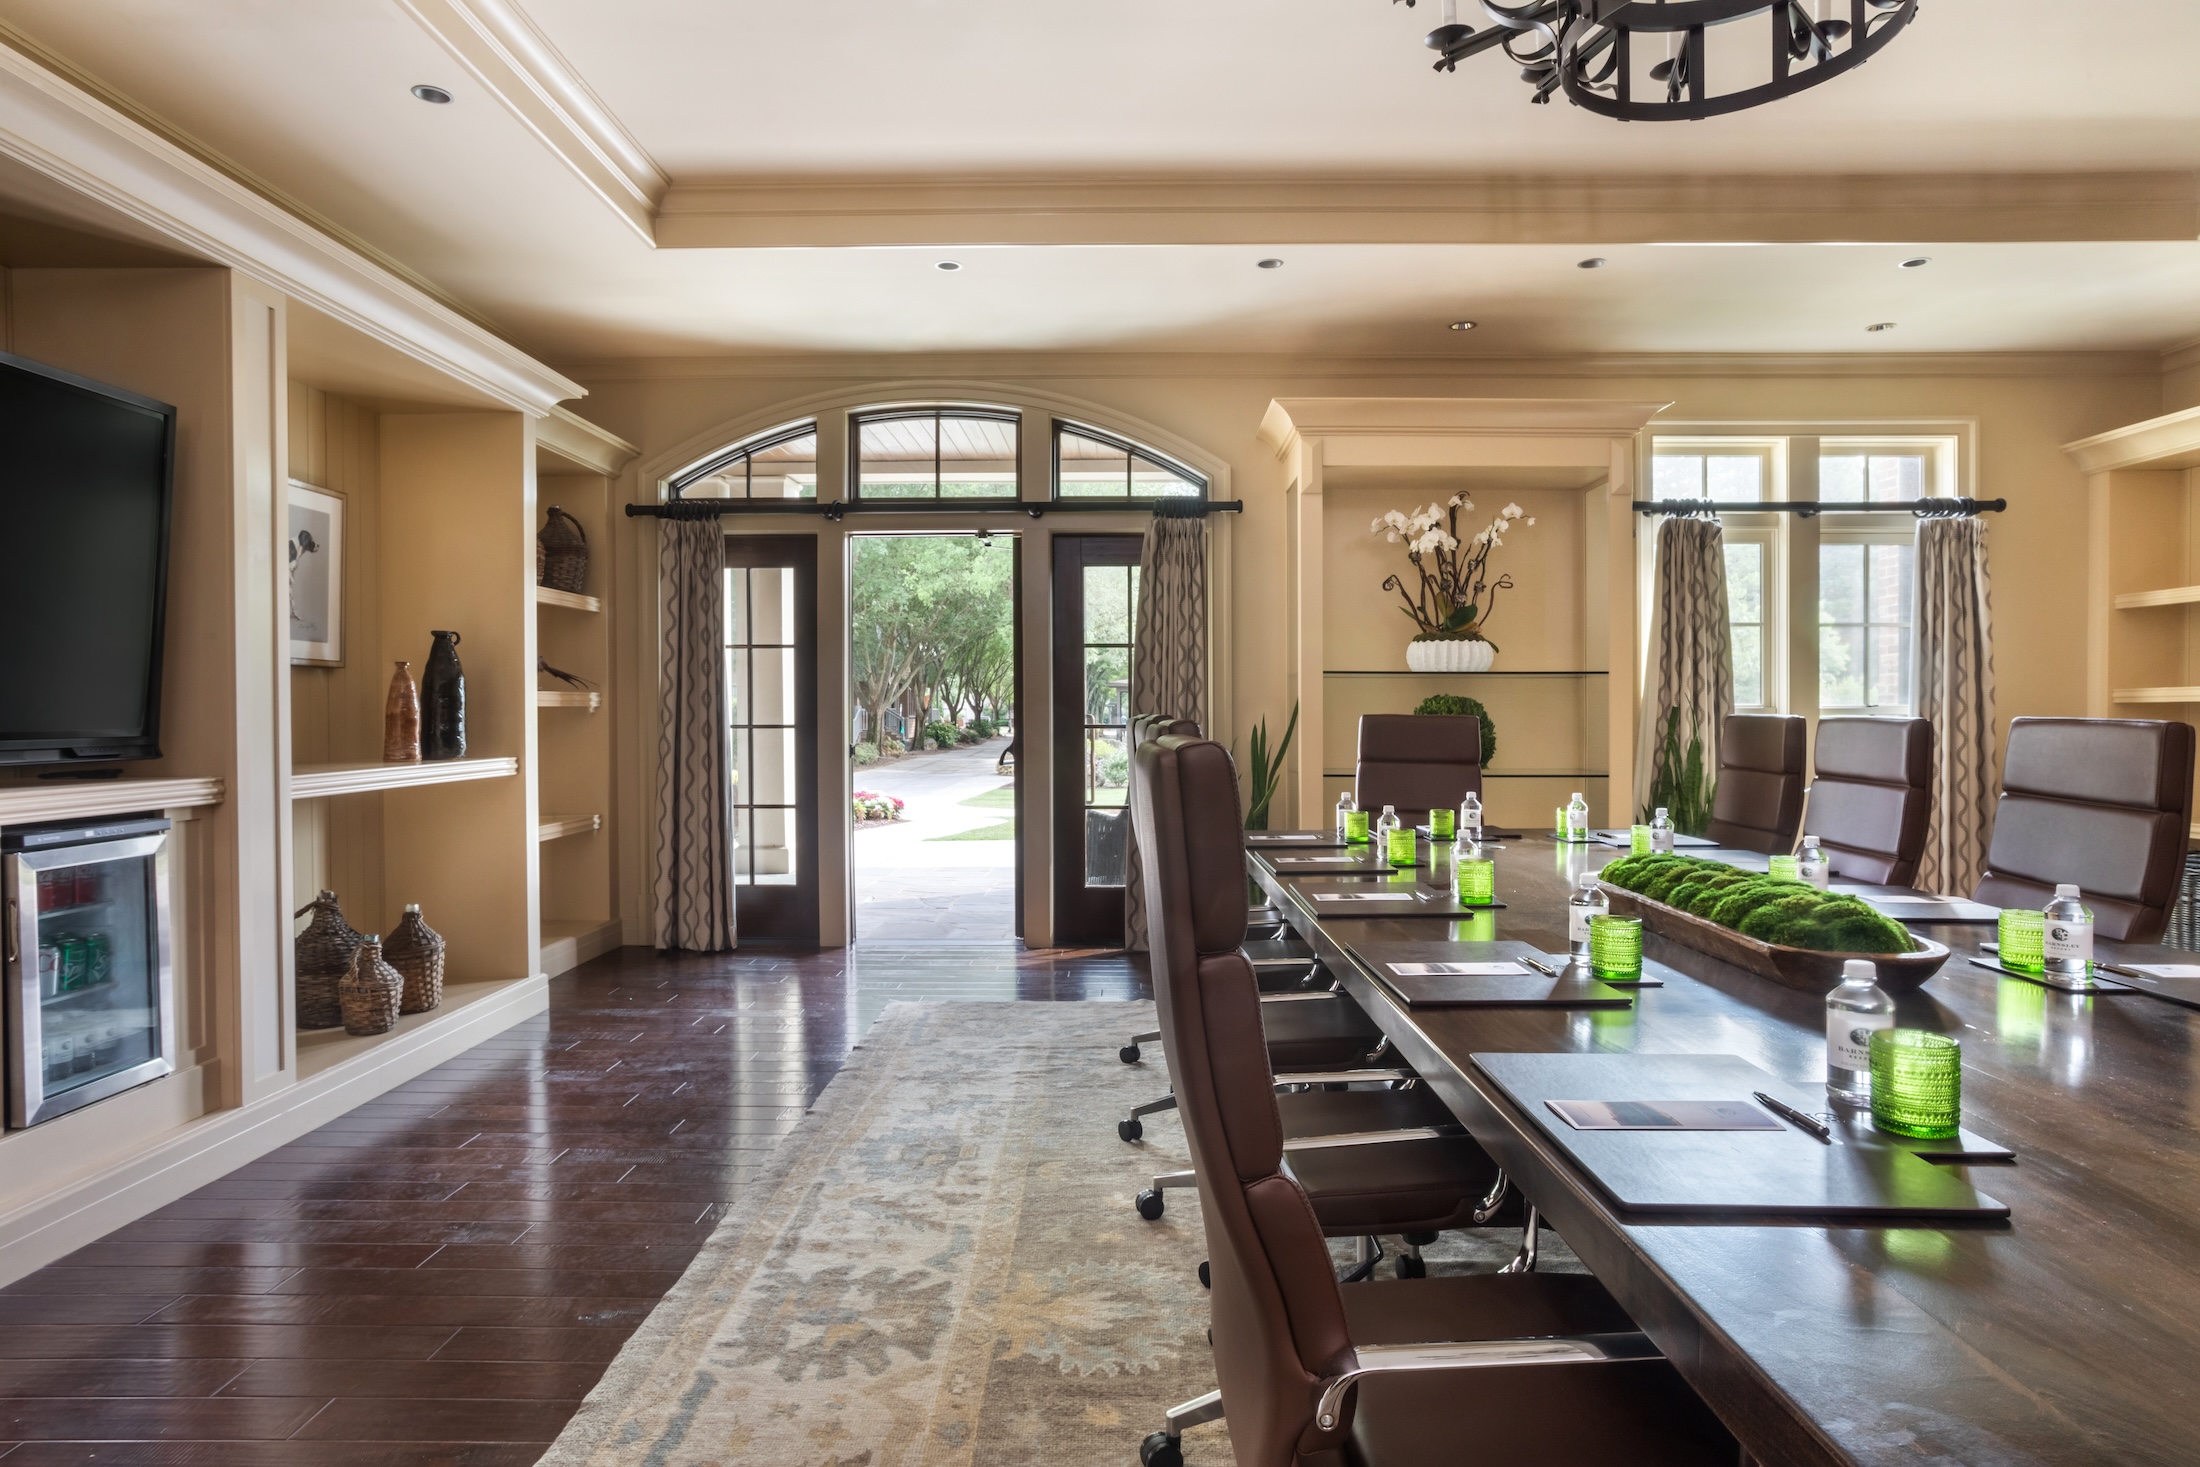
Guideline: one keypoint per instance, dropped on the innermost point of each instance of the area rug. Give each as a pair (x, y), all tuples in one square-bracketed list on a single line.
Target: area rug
[(940, 1268)]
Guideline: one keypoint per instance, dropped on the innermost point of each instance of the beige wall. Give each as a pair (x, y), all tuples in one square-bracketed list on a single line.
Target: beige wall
[(2019, 410)]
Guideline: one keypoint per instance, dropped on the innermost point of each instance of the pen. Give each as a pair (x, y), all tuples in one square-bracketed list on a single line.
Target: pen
[(1787, 1112), (1539, 965)]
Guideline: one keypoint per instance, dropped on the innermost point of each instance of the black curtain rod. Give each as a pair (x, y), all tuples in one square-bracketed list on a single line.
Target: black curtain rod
[(1174, 507), (1811, 508)]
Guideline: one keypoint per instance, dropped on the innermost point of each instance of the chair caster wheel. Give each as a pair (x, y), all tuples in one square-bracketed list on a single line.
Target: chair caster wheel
[(1131, 1129), (1206, 1275), (1158, 1451), (1150, 1205), (1128, 1054), (1410, 1267)]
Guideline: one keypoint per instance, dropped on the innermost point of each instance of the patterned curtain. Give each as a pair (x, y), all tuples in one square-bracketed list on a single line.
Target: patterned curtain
[(1691, 655), (1168, 660), (694, 884), (1955, 692)]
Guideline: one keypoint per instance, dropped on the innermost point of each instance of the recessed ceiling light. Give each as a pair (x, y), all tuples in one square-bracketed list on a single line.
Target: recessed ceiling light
[(1594, 262), (1271, 264), (427, 93), (947, 265), (1462, 325), (1880, 326), (1917, 262)]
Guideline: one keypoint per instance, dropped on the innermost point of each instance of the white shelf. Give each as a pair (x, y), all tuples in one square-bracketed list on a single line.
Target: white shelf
[(91, 799), (320, 1050), (2157, 695), (590, 701), (570, 600), (2174, 596), (319, 781), (557, 827)]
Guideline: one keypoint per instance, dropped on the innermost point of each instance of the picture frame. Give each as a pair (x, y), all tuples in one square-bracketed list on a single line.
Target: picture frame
[(313, 537)]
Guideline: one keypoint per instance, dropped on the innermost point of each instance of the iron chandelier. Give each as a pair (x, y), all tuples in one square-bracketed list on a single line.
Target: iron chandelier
[(1648, 60)]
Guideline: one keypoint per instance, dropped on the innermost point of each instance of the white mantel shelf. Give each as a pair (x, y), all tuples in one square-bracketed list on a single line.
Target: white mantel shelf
[(89, 799), (319, 781)]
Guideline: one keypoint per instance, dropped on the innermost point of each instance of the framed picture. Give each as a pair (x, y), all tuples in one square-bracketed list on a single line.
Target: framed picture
[(316, 555)]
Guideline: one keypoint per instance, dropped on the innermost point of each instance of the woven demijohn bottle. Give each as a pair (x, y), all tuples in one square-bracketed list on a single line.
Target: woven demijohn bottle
[(324, 954), (562, 549), (415, 950), (369, 993)]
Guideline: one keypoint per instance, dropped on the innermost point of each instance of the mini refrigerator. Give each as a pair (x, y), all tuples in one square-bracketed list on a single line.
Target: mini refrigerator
[(91, 1007)]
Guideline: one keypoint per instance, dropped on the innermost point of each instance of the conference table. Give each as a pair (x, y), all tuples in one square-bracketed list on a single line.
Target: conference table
[(2069, 1335)]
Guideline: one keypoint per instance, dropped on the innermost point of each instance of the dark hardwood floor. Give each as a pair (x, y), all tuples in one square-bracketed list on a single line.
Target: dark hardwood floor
[(437, 1278)]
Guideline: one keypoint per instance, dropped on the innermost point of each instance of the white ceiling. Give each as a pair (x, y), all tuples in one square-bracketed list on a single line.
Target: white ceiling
[(313, 98)]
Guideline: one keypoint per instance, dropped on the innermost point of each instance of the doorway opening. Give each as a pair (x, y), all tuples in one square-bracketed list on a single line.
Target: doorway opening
[(932, 660)]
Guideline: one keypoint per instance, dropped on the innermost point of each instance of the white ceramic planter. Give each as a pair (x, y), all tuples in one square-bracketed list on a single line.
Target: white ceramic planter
[(1453, 656)]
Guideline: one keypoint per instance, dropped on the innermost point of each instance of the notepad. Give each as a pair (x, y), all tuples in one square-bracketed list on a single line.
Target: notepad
[(1663, 1115), (2163, 970), (1371, 896), (1455, 970)]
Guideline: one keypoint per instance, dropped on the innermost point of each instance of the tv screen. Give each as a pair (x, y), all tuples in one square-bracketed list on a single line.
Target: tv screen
[(85, 476)]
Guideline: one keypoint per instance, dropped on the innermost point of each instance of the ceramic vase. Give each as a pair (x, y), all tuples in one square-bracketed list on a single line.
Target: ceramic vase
[(401, 718), (443, 701), (1450, 655)]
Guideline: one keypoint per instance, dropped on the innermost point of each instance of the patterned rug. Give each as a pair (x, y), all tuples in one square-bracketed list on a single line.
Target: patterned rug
[(941, 1269)]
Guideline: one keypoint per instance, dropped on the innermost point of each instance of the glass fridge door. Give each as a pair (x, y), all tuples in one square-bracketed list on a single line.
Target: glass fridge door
[(91, 1009)]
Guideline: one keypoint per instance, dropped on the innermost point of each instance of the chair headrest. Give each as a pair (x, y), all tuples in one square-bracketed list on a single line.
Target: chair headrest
[(1767, 741), (1896, 751), (1420, 738), (1192, 785), (2141, 763)]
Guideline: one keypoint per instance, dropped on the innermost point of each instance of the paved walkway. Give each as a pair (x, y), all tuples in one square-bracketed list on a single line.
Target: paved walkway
[(912, 886)]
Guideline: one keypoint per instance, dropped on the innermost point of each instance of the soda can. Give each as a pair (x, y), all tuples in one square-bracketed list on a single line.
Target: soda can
[(76, 961), (99, 962), (49, 970)]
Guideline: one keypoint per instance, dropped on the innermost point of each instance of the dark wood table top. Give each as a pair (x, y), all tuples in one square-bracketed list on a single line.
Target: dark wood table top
[(2069, 1336)]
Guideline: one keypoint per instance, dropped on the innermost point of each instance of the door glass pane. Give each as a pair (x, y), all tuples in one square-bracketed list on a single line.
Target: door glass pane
[(1092, 469), (899, 458), (760, 712), (1107, 766), (771, 779), (1106, 854), (98, 971), (1108, 603), (741, 844), (737, 606), (772, 850), (772, 698)]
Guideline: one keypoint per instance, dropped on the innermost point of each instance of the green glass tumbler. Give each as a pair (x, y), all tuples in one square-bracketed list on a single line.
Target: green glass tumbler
[(1402, 850), (1355, 827), (1558, 823), (1615, 948), (1784, 868), (1917, 1083), (2024, 940), (1443, 822), (1638, 840), (1477, 881)]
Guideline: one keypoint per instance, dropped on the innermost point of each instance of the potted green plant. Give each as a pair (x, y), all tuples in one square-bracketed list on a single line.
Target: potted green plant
[(1451, 606)]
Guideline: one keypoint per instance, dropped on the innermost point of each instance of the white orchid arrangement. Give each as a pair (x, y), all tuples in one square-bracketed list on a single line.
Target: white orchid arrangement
[(1456, 593)]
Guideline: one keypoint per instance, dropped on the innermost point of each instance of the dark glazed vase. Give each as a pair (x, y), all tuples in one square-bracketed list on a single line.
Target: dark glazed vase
[(443, 701)]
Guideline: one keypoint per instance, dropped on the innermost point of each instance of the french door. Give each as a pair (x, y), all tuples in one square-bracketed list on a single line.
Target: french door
[(771, 703), (1095, 600)]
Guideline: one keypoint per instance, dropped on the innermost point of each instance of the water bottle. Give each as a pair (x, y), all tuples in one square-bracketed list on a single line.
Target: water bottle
[(1853, 1012), (1577, 818), (1661, 832), (1470, 820), (2069, 937), (1811, 864), (1587, 901), (1383, 827), (1345, 806)]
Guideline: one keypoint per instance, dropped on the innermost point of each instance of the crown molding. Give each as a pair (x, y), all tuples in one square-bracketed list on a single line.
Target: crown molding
[(2182, 355), (1426, 209), (581, 443), (517, 64), (1291, 419), (72, 135), (1270, 366), (2171, 441)]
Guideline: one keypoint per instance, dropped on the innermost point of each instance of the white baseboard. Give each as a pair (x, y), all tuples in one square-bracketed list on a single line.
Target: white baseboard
[(216, 1144), (565, 946)]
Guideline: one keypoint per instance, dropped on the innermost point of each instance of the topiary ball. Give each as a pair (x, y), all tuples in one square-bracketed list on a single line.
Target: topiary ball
[(1452, 704)]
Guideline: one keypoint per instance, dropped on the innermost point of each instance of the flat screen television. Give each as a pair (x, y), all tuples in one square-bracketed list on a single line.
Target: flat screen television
[(86, 476)]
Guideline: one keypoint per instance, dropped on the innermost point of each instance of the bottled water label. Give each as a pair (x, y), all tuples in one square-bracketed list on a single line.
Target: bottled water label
[(1661, 841), (1577, 921), (1817, 873), (2069, 942), (1849, 1038)]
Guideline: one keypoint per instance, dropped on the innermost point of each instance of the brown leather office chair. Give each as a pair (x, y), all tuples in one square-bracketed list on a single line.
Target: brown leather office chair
[(1527, 1367), (1411, 761), (1759, 802), (2102, 802), (1871, 802)]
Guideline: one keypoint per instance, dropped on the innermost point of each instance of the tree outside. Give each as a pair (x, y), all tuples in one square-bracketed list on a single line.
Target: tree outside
[(934, 635)]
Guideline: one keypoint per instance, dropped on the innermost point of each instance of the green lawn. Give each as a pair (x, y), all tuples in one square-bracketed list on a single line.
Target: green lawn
[(1002, 798), (1006, 830)]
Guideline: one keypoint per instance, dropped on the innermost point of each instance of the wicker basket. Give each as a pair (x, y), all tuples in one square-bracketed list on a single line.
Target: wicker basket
[(416, 950), (564, 552), (324, 953), (369, 993)]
